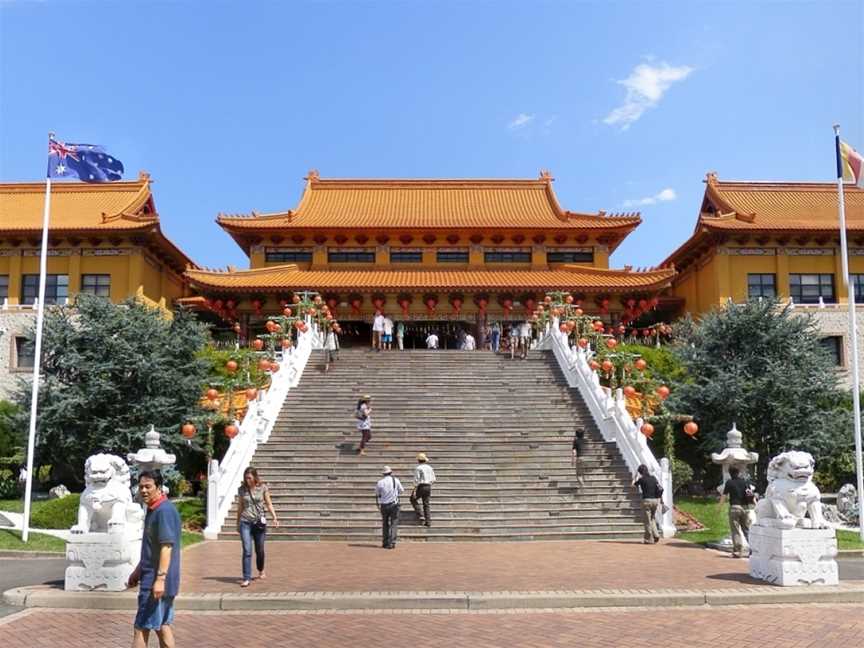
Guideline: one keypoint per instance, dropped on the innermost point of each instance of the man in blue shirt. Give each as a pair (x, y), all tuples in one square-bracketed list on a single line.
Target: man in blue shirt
[(158, 571)]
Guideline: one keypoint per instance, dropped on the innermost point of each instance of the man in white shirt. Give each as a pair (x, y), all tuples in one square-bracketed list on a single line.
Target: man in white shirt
[(387, 492), (470, 344), (432, 341), (387, 337), (424, 477), (377, 330)]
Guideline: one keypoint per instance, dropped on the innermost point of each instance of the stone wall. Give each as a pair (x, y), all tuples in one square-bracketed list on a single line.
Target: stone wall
[(834, 321), (14, 322)]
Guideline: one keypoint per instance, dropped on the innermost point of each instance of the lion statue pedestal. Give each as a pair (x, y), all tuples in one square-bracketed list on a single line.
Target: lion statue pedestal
[(106, 542), (791, 543)]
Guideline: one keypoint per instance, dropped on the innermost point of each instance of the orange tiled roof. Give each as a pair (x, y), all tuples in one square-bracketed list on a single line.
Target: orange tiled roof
[(750, 206), (108, 207), (428, 204), (769, 207), (290, 277)]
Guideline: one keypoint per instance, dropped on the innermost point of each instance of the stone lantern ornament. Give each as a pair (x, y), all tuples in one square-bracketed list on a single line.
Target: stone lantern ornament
[(734, 455)]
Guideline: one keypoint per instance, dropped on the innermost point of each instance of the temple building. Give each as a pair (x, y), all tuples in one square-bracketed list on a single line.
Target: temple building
[(444, 255), (104, 239), (767, 239)]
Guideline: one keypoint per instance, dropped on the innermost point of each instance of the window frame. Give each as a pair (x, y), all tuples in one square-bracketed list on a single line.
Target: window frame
[(823, 279), (18, 343), (588, 255), (857, 279), (4, 287), (416, 255), (288, 255), (452, 255), (834, 345), (507, 255), (51, 281), (350, 255), (761, 285), (100, 290)]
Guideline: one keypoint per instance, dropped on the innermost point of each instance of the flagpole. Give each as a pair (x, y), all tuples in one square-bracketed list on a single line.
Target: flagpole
[(37, 360), (853, 332)]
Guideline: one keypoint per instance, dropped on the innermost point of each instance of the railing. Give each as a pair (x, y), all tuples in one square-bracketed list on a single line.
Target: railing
[(225, 477), (610, 413)]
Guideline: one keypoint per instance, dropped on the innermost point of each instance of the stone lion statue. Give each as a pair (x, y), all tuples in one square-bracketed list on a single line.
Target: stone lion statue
[(106, 498), (791, 495)]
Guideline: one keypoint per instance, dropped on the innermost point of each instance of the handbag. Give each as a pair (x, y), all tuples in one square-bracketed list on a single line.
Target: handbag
[(261, 523)]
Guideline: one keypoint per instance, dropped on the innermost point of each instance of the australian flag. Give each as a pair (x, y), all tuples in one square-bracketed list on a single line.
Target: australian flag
[(87, 162)]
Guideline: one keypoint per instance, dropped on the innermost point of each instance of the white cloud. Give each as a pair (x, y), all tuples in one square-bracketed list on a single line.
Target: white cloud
[(520, 121), (646, 86), (664, 196)]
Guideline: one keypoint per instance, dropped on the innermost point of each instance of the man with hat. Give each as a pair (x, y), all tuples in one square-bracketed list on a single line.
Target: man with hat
[(387, 492), (424, 477)]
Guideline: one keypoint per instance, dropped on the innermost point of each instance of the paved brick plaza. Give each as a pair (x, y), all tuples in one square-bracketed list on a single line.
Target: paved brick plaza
[(766, 626), (482, 566)]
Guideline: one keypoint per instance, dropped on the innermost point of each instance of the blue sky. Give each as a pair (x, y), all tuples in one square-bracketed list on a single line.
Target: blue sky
[(228, 104)]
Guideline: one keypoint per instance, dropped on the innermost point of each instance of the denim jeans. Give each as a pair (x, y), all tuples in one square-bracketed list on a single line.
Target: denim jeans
[(250, 533), (495, 338)]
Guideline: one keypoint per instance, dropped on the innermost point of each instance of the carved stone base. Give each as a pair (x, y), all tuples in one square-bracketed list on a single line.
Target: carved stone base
[(790, 557), (102, 561)]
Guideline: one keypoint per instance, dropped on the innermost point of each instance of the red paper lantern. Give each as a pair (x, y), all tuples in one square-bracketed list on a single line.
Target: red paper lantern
[(212, 394), (257, 344), (287, 312), (264, 364), (579, 312), (187, 430), (640, 364), (647, 429), (286, 343), (257, 304), (629, 391), (663, 392), (431, 303), (355, 305), (231, 366), (230, 304), (457, 305), (274, 367), (231, 431), (507, 304), (611, 343), (218, 304), (237, 328), (607, 366), (631, 303), (404, 304), (582, 342), (251, 394), (482, 303), (690, 429), (643, 304), (594, 365), (296, 299), (568, 299)]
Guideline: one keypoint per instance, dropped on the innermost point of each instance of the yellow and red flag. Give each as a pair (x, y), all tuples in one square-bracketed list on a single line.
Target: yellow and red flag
[(850, 164)]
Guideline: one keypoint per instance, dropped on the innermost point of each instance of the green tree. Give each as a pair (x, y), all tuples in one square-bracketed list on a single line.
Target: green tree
[(761, 365), (11, 438), (109, 371)]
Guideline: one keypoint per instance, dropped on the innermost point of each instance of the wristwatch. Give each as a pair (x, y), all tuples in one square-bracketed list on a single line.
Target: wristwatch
[(162, 573)]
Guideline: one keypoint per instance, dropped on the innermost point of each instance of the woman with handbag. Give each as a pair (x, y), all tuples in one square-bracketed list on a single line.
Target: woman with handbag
[(252, 508)]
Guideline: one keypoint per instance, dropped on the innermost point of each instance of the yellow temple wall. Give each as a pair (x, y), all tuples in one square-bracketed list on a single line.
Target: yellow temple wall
[(129, 271)]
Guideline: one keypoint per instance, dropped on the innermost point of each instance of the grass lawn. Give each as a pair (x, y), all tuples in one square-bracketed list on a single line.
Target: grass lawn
[(715, 518), (191, 512), (37, 542)]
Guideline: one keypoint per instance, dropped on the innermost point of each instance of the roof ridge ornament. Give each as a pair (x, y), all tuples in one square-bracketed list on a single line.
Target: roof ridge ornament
[(313, 175), (546, 175), (711, 177)]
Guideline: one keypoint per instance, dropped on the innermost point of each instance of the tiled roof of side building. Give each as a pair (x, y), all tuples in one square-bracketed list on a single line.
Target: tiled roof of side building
[(738, 207), (108, 206), (336, 203), (277, 278)]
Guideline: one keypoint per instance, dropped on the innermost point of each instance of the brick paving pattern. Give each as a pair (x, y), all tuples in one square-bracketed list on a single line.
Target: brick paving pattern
[(786, 626), (486, 567)]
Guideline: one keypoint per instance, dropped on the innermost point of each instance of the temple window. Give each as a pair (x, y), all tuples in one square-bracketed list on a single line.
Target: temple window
[(56, 288), (96, 284), (857, 281), (507, 255), (833, 344), (350, 255), (288, 255), (24, 354), (452, 255), (570, 255), (761, 285), (4, 287), (808, 288), (406, 255)]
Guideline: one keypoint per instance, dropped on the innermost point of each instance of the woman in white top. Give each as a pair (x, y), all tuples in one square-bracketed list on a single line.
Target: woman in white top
[(331, 348), (364, 421), (432, 341)]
